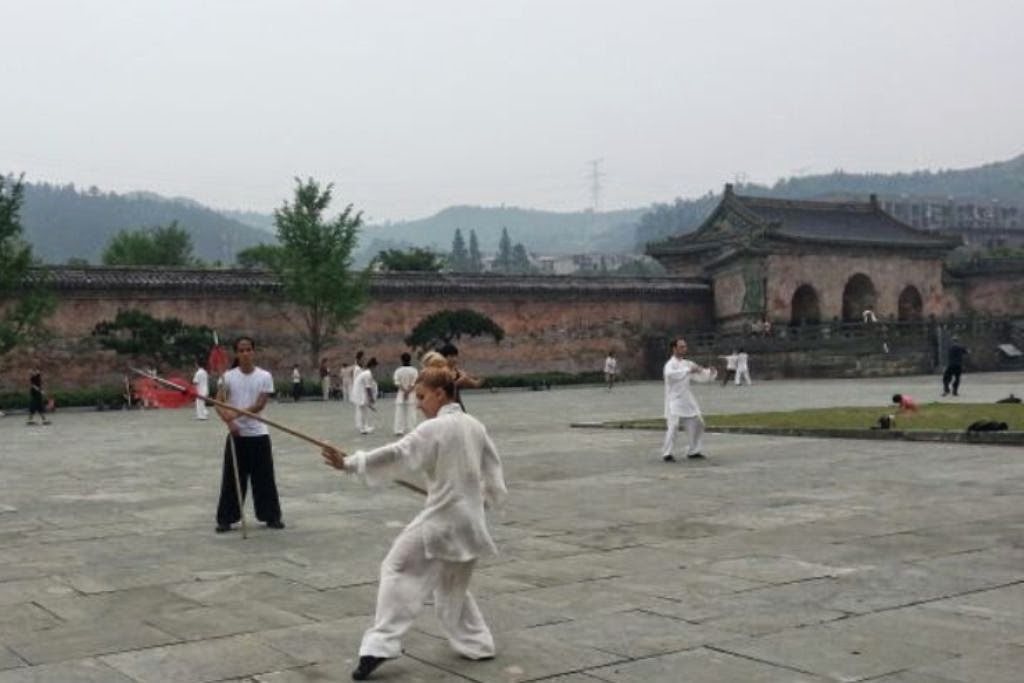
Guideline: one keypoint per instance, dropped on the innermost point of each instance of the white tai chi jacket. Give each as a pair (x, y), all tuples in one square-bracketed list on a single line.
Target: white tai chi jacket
[(679, 400), (463, 471), (363, 381)]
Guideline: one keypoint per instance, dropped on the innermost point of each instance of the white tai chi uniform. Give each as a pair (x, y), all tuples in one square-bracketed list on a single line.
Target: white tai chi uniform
[(680, 404), (348, 374), (405, 400), (742, 368), (364, 412), (201, 381), (611, 369), (435, 554)]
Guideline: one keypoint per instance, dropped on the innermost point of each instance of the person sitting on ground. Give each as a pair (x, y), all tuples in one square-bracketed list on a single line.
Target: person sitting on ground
[(904, 403)]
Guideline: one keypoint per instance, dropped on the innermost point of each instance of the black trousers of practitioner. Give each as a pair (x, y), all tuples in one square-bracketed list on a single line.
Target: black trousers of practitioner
[(255, 462), (952, 378)]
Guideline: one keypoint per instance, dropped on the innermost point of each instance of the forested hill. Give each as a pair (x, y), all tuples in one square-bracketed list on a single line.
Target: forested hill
[(62, 222), (543, 232), (1003, 180)]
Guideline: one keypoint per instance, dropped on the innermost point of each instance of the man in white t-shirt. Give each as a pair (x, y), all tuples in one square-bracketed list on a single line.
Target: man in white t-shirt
[(201, 382), (611, 370), (364, 396), (405, 396), (249, 388)]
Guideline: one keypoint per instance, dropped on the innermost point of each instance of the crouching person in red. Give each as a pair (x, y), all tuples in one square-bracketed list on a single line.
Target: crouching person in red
[(435, 554)]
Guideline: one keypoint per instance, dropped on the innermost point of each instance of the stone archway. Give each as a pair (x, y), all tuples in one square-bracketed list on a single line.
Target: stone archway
[(805, 307), (858, 295), (910, 305)]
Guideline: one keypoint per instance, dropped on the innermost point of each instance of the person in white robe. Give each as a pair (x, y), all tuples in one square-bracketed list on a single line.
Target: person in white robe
[(680, 404), (201, 382), (742, 368), (434, 556), (364, 396), (405, 397)]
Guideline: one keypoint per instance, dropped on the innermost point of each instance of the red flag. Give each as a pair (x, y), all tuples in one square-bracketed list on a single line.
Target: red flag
[(217, 363), (154, 395)]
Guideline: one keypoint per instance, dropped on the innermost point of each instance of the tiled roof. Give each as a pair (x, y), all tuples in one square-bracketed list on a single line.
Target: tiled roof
[(846, 222), (190, 280), (760, 220)]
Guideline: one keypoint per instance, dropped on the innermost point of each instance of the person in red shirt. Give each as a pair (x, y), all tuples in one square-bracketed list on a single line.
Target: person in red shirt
[(904, 403)]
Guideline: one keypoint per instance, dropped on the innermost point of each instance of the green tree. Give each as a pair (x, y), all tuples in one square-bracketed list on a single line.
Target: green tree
[(476, 260), (448, 325), (258, 257), (160, 246), (520, 260), (414, 259), (503, 262), (313, 262), (24, 299), (459, 259), (168, 342)]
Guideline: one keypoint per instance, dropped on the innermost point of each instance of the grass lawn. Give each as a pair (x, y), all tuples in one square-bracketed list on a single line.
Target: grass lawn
[(951, 416)]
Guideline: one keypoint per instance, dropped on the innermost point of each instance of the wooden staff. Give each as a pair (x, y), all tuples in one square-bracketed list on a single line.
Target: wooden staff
[(238, 485), (188, 390)]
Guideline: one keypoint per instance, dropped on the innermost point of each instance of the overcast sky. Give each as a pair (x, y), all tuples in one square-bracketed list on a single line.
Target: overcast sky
[(413, 105)]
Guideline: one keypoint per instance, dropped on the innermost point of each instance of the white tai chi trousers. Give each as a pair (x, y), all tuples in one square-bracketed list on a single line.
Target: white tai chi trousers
[(201, 412), (364, 418), (694, 427), (742, 375), (407, 579), (405, 417)]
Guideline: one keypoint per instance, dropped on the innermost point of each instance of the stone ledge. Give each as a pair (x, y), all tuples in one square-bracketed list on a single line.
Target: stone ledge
[(947, 436)]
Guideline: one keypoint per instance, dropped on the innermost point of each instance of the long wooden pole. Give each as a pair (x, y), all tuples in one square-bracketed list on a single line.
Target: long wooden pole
[(259, 418), (238, 485)]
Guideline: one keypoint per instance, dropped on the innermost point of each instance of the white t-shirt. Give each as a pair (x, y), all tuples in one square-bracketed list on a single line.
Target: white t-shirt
[(611, 365), (243, 391), (201, 381), (362, 382), (405, 378)]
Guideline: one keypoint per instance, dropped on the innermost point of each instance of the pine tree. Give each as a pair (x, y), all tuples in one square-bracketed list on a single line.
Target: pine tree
[(476, 261), (503, 263), (459, 260), (520, 259)]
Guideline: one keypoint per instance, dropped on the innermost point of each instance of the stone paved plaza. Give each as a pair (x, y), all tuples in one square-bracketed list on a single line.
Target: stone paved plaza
[(790, 560)]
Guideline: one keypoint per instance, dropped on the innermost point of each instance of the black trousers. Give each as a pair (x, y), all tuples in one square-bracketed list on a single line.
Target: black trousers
[(255, 462), (952, 374)]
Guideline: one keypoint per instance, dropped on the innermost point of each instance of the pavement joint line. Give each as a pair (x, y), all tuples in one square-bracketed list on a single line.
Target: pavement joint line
[(892, 608), (777, 665)]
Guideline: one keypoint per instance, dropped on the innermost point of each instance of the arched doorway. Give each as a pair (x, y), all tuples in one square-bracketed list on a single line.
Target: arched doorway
[(910, 305), (858, 296), (805, 308)]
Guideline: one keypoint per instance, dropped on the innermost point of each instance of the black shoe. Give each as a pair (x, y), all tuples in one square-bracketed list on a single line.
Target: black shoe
[(275, 524), (945, 393), (223, 528), (668, 458), (367, 665), (955, 393), (696, 456)]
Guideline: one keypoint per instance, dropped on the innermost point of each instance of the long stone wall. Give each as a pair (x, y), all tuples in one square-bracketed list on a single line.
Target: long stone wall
[(551, 323)]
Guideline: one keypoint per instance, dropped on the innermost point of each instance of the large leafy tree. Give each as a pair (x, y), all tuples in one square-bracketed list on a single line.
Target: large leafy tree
[(24, 301), (168, 342), (414, 259), (160, 246), (313, 263), (448, 325)]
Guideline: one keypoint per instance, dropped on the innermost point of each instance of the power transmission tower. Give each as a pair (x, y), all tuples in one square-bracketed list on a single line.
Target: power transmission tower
[(595, 176)]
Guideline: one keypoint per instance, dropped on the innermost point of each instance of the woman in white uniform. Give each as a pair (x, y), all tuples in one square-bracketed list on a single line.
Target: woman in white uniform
[(435, 554)]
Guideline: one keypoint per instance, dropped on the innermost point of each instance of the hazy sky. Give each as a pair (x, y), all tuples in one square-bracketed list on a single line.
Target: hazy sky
[(410, 106)]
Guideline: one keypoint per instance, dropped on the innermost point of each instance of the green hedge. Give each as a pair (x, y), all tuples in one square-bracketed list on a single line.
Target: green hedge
[(112, 397)]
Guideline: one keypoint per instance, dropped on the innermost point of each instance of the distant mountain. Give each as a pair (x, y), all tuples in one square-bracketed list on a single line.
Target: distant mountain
[(254, 219), (543, 232), (62, 222), (1002, 180)]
